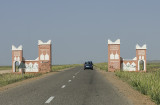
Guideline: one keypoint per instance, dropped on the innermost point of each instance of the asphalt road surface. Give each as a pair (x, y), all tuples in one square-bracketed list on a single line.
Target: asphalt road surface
[(71, 87)]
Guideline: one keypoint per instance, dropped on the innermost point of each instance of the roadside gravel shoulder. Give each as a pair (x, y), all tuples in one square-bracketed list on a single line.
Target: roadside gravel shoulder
[(126, 90)]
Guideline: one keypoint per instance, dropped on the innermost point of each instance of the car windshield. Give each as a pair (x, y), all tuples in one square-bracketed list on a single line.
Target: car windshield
[(88, 63)]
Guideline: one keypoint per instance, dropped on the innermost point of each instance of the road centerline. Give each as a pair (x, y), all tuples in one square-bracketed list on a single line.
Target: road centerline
[(49, 100), (63, 86), (76, 73)]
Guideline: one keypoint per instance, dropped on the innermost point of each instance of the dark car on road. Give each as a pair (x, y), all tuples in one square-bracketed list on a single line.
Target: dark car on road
[(88, 65)]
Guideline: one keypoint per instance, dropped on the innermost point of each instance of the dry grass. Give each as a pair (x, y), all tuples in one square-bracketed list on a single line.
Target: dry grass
[(147, 83), (5, 67), (9, 78), (102, 66), (61, 67)]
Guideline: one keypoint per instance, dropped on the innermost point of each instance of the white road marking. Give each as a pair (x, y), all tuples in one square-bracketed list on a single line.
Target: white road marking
[(76, 73), (49, 100), (73, 76), (63, 86), (69, 80)]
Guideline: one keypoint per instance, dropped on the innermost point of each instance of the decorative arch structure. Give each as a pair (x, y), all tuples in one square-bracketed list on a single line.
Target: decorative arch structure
[(41, 64), (17, 56), (141, 56), (115, 62)]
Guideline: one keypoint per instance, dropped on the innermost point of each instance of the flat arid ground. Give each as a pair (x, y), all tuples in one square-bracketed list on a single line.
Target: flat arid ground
[(127, 91), (5, 71)]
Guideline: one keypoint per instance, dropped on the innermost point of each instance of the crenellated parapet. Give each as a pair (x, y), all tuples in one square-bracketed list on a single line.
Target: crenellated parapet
[(138, 47), (44, 43), (17, 48), (116, 42)]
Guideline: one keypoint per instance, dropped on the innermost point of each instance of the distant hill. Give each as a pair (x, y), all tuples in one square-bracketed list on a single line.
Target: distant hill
[(153, 61)]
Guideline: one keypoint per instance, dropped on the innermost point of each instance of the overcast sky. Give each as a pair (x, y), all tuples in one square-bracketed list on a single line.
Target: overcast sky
[(79, 29)]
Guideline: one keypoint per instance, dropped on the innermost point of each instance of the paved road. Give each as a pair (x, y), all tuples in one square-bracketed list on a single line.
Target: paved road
[(71, 87)]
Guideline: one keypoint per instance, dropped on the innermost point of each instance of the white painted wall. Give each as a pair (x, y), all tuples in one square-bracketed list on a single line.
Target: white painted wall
[(31, 67), (129, 67)]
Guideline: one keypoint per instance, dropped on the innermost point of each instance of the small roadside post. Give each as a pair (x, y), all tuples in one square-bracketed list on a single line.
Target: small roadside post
[(22, 67)]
